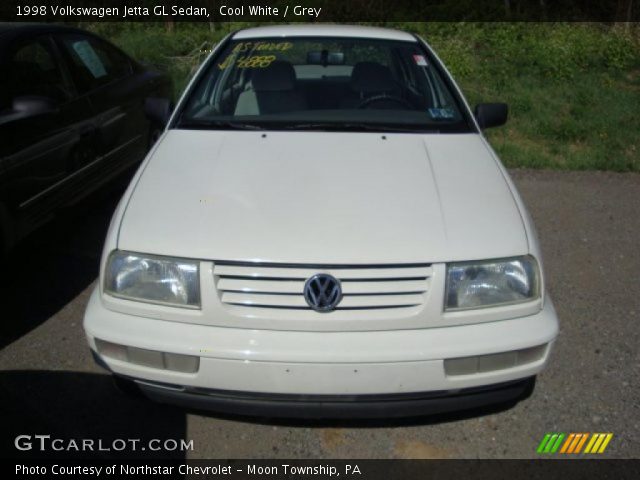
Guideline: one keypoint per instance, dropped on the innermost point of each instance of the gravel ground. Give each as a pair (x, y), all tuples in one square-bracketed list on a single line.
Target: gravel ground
[(589, 226)]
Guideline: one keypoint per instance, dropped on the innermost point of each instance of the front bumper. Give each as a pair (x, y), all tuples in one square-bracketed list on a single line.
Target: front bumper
[(339, 406), (302, 363)]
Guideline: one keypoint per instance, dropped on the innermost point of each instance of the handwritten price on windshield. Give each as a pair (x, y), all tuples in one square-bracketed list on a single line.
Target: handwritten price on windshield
[(255, 61)]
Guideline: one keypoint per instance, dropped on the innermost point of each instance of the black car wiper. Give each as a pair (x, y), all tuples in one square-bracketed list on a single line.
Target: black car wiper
[(355, 127), (202, 124)]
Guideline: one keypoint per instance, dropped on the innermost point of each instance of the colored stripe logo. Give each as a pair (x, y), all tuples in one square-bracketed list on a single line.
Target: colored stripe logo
[(574, 443)]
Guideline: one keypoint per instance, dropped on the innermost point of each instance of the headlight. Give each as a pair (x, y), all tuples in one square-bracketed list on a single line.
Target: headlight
[(147, 278), (491, 283)]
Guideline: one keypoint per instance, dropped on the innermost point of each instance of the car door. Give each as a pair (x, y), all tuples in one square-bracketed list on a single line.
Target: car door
[(39, 146), (107, 77)]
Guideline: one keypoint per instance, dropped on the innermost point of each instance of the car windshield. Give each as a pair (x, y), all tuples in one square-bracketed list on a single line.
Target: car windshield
[(342, 84)]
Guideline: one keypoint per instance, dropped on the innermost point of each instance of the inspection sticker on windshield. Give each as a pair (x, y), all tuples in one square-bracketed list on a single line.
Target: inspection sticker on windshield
[(441, 113), (420, 60)]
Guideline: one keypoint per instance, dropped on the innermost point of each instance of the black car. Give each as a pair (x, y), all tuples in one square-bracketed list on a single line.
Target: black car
[(72, 117)]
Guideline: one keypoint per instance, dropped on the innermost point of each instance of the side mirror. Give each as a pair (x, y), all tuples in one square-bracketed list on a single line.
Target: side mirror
[(158, 110), (32, 105), (491, 114)]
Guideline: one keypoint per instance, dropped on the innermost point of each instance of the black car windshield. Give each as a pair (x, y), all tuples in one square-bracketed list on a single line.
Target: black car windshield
[(328, 83)]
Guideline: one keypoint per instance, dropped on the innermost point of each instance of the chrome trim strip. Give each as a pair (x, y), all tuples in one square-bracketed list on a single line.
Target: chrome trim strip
[(31, 200)]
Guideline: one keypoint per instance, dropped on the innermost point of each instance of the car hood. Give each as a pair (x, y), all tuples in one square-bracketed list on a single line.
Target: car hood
[(322, 198)]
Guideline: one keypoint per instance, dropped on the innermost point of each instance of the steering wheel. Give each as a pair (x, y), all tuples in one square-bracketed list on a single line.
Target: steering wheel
[(380, 98)]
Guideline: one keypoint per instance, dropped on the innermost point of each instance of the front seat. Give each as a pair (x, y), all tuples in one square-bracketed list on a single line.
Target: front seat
[(273, 91), (370, 79)]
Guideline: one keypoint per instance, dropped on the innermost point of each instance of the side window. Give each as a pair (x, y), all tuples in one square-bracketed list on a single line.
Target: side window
[(32, 69), (94, 63)]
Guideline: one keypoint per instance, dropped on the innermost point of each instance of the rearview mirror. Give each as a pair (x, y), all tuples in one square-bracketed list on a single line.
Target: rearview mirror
[(158, 110), (325, 58), (491, 114)]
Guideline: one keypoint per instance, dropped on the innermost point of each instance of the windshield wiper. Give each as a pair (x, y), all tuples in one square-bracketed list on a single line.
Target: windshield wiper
[(202, 124), (355, 127)]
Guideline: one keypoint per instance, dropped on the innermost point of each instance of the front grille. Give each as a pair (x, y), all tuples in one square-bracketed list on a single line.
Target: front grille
[(364, 287)]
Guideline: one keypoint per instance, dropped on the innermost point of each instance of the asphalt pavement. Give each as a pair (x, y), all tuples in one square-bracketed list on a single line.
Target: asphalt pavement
[(589, 227)]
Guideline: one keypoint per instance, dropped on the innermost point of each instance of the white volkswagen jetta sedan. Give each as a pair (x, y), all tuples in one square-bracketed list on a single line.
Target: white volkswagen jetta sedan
[(323, 230)]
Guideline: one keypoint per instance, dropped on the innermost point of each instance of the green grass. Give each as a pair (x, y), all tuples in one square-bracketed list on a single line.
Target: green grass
[(583, 123), (573, 89)]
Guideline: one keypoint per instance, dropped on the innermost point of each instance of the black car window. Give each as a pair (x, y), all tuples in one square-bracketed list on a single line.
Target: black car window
[(94, 63), (32, 69)]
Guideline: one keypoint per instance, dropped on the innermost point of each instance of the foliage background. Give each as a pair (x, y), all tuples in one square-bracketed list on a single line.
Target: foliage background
[(573, 88)]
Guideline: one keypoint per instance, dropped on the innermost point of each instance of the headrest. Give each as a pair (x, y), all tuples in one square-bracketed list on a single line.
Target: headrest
[(371, 77), (278, 76)]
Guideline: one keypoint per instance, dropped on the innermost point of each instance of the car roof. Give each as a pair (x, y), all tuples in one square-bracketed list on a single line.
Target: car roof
[(323, 30), (13, 30), (17, 31)]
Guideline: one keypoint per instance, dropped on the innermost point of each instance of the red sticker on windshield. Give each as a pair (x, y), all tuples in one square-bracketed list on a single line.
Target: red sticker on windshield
[(420, 60)]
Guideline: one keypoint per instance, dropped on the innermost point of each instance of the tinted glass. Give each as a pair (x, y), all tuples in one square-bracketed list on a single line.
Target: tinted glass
[(309, 83), (32, 69), (94, 63)]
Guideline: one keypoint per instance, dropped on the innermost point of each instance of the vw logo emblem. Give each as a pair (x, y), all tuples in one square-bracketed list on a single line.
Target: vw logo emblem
[(322, 292)]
